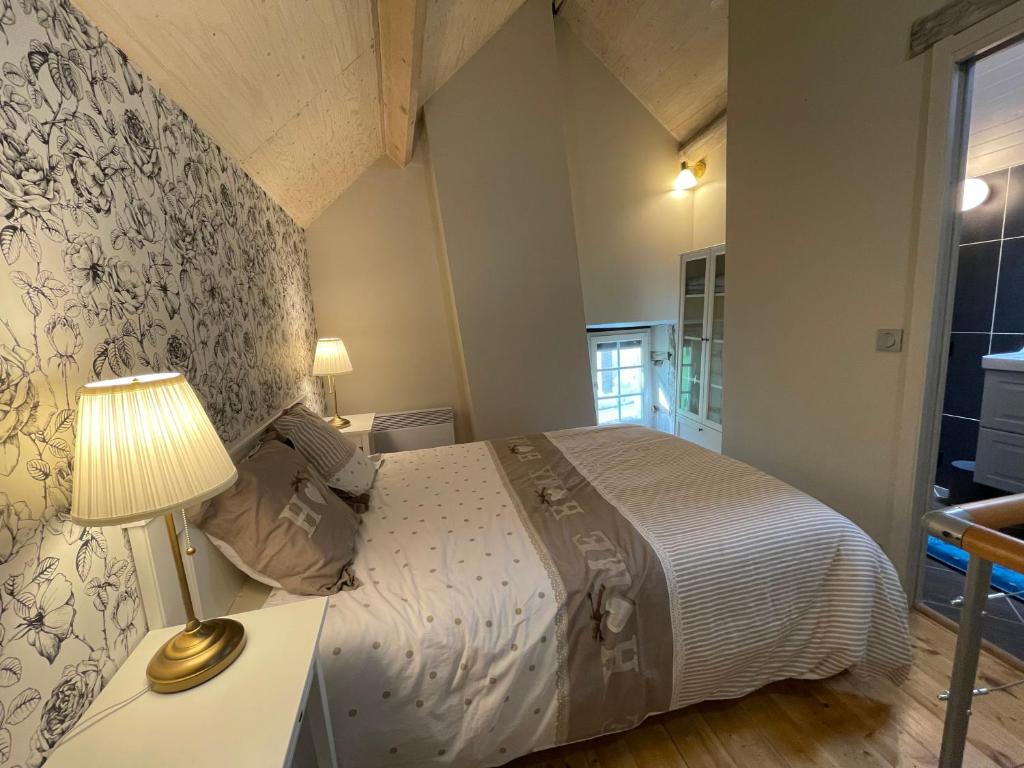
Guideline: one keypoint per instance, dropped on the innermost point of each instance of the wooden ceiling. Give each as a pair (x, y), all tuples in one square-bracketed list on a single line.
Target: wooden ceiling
[(671, 54), (455, 30), (307, 94), (997, 112), (290, 88)]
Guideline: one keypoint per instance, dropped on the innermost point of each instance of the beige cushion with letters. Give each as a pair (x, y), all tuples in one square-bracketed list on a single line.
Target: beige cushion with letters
[(282, 521)]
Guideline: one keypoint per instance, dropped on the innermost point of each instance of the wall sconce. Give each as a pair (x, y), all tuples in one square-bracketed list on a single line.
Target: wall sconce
[(688, 175), (975, 192)]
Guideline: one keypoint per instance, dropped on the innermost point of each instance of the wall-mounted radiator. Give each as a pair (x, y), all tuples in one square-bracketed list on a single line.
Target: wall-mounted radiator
[(409, 430)]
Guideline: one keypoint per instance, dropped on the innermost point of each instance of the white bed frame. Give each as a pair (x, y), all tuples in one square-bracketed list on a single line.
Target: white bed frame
[(212, 579)]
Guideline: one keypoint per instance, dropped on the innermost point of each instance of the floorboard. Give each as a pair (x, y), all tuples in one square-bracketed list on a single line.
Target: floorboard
[(843, 722)]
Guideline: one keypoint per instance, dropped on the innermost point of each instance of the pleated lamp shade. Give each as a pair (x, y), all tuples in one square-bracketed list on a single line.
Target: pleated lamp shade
[(331, 358), (144, 446)]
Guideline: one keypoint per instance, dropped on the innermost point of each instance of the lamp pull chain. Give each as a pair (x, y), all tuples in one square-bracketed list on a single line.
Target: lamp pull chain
[(189, 549)]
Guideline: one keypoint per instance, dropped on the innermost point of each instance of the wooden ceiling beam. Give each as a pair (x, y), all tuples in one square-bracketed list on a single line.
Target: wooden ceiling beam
[(400, 26), (710, 135)]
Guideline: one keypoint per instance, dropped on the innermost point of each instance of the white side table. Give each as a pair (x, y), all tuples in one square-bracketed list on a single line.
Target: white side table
[(253, 713), (360, 431)]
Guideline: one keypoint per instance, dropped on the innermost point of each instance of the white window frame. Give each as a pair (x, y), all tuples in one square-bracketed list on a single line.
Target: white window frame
[(644, 334)]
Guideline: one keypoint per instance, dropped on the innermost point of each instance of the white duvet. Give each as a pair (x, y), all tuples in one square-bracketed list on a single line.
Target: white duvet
[(446, 655)]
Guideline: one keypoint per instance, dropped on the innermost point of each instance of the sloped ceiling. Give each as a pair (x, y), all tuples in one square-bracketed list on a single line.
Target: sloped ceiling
[(289, 88), (671, 54), (455, 30), (292, 88)]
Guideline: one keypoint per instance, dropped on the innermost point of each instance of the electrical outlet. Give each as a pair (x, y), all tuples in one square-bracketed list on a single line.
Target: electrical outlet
[(889, 340)]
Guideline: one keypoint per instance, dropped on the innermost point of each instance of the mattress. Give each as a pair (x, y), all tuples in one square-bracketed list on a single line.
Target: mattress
[(523, 593)]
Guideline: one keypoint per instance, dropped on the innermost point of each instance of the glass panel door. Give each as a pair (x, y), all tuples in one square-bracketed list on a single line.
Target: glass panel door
[(715, 377), (691, 358)]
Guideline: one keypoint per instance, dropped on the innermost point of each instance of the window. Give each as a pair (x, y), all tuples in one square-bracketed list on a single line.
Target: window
[(620, 369)]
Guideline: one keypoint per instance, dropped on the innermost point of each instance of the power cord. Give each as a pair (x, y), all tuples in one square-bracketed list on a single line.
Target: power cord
[(84, 725)]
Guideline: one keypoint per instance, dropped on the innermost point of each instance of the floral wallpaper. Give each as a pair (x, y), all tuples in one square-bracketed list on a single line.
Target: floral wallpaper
[(128, 242)]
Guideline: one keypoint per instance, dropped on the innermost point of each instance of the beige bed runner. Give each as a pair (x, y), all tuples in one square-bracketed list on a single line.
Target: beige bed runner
[(614, 629)]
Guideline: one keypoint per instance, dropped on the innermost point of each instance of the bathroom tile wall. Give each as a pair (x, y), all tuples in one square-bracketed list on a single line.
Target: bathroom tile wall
[(988, 310)]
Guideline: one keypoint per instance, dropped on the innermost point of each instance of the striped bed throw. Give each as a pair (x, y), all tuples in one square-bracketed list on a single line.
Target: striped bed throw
[(765, 583)]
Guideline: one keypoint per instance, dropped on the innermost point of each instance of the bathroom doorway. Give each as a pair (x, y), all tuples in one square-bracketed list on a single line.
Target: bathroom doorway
[(980, 442)]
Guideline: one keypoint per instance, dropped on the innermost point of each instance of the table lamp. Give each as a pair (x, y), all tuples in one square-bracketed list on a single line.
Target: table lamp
[(144, 447), (330, 360)]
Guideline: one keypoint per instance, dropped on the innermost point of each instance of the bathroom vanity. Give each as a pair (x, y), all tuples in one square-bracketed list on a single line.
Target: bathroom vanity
[(1000, 458)]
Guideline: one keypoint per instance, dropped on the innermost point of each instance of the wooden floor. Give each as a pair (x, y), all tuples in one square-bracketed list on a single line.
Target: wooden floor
[(837, 723)]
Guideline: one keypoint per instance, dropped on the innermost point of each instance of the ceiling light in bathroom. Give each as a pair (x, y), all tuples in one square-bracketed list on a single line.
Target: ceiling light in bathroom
[(975, 192)]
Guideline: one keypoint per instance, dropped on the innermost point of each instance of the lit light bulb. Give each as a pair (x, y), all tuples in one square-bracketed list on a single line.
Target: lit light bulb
[(685, 180), (975, 193)]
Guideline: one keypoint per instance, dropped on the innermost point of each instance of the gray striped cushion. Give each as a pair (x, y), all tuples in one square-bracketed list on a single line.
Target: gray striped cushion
[(334, 457)]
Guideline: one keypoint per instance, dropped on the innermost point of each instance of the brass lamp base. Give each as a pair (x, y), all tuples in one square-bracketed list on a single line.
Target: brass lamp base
[(338, 422), (193, 656)]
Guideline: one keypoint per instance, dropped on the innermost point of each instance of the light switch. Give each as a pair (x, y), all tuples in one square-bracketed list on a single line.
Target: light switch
[(889, 340)]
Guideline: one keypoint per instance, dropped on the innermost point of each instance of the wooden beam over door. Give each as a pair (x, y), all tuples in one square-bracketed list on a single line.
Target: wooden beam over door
[(950, 19), (400, 48)]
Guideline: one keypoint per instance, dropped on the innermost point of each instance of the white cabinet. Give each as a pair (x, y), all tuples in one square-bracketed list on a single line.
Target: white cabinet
[(700, 347), (267, 710), (360, 431), (691, 430)]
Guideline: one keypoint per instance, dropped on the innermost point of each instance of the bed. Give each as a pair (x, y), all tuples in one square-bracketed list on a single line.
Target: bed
[(522, 593), (538, 590)]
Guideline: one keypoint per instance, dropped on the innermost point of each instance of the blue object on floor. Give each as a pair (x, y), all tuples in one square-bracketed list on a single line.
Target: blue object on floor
[(1003, 579)]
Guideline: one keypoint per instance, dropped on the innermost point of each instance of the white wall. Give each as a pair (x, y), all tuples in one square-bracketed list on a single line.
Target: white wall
[(825, 131), (376, 278), (709, 200), (502, 183), (630, 227), (383, 234)]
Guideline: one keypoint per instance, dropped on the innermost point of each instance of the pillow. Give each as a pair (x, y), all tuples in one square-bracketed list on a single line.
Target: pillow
[(229, 552), (283, 523), (338, 460)]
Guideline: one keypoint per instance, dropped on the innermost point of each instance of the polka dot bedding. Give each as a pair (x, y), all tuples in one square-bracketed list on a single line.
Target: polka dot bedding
[(445, 654)]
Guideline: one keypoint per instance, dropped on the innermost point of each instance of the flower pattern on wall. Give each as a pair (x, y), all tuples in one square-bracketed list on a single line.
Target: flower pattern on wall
[(128, 243)]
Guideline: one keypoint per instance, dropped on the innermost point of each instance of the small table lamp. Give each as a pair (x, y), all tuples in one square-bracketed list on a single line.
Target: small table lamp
[(144, 446), (330, 360)]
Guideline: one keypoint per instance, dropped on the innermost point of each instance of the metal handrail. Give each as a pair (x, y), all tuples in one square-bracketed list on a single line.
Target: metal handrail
[(974, 528)]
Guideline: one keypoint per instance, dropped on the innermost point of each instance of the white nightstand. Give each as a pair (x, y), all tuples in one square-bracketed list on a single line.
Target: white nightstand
[(360, 431), (254, 713)]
